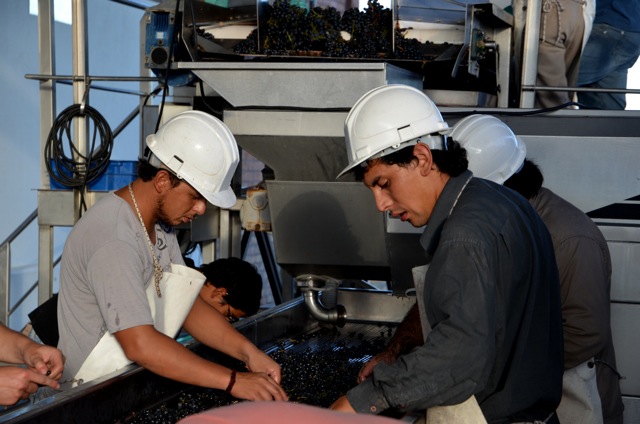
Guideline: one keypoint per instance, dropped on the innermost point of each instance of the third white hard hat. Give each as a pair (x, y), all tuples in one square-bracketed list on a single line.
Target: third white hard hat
[(493, 150)]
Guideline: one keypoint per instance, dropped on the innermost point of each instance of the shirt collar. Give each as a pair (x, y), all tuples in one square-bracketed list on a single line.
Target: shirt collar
[(442, 209)]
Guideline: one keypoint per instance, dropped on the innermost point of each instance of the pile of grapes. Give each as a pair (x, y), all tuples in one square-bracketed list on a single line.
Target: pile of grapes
[(289, 30), (317, 369)]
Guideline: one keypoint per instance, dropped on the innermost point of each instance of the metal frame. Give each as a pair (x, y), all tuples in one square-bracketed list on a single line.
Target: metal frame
[(5, 269), (530, 59), (47, 111), (62, 208)]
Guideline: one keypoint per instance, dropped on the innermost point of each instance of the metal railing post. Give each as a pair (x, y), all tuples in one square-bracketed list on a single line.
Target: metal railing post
[(530, 52), (5, 261), (46, 39)]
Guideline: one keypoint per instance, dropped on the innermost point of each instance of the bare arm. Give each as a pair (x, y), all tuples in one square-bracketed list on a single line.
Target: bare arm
[(407, 336), (342, 405), (17, 348), (212, 329), (168, 358), (13, 345), (44, 366)]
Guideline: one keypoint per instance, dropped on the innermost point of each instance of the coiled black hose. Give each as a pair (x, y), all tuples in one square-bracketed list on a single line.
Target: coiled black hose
[(69, 167)]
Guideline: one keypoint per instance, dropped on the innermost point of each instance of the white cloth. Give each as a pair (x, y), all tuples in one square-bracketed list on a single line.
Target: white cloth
[(580, 399), (467, 412), (179, 289)]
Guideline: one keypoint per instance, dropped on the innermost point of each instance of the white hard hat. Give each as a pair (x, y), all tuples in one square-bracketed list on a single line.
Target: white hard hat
[(493, 150), (200, 149), (389, 118)]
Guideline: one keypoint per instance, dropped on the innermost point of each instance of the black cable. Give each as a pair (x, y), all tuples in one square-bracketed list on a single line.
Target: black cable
[(215, 112), (195, 32), (76, 170), (507, 112), (165, 82)]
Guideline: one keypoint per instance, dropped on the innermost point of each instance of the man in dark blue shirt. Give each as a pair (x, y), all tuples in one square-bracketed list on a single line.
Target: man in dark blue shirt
[(491, 292)]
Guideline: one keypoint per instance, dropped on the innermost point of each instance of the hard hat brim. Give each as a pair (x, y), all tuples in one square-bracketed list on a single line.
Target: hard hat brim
[(223, 199), (347, 170)]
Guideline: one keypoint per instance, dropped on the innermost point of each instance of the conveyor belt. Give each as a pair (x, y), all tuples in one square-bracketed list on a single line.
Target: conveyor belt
[(317, 368), (319, 362)]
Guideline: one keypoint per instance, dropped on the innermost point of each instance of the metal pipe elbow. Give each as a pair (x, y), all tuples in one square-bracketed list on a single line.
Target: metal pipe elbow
[(336, 315)]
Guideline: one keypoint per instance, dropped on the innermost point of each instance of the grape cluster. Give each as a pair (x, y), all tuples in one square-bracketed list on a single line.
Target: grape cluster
[(249, 45), (318, 374), (289, 30), (370, 30), (407, 48)]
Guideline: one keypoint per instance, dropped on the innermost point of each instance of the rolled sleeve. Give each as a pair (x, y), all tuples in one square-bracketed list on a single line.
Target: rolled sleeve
[(457, 356), (366, 398)]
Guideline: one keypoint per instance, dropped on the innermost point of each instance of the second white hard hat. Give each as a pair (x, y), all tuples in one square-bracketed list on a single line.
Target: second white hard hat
[(200, 149), (493, 150), (389, 118)]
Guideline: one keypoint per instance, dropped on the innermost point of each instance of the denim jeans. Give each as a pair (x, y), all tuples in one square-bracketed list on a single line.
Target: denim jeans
[(606, 59)]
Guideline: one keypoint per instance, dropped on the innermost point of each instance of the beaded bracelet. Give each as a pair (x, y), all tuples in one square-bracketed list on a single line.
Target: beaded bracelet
[(232, 381)]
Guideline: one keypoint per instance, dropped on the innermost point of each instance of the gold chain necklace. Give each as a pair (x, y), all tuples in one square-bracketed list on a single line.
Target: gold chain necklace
[(157, 269)]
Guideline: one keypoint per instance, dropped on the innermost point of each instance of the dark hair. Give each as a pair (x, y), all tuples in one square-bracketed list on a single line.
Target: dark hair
[(146, 172), (240, 278), (527, 181), (452, 161)]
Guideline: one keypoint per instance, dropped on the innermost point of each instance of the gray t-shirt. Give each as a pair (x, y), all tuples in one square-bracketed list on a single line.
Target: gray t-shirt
[(105, 268)]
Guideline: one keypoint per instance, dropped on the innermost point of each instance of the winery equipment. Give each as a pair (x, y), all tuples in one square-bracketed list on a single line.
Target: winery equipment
[(134, 394), (462, 47), (289, 111)]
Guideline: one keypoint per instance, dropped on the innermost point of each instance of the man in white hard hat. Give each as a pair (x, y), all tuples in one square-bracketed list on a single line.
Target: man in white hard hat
[(124, 290), (490, 295), (591, 384)]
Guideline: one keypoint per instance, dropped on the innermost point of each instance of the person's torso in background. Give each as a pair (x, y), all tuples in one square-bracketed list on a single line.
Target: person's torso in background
[(621, 14)]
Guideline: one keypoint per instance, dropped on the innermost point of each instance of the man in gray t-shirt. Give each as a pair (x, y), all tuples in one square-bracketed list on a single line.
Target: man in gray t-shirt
[(105, 269), (116, 304)]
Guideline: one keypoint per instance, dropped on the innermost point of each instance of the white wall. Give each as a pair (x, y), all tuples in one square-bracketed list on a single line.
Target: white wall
[(113, 43)]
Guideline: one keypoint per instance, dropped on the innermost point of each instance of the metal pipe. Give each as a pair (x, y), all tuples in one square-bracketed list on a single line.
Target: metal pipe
[(75, 78), (80, 92), (5, 264), (337, 315), (138, 4), (27, 221), (46, 39), (310, 286), (5, 267), (530, 51), (581, 89)]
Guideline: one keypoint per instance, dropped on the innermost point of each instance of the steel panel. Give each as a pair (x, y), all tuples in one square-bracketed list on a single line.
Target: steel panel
[(570, 170), (625, 286), (297, 84), (327, 228), (626, 340)]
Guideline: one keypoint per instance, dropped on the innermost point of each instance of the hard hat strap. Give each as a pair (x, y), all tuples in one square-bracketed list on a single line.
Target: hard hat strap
[(157, 163), (153, 160), (434, 141)]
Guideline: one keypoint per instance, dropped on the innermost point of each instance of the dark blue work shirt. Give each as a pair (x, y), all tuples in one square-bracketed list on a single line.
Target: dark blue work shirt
[(492, 299)]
